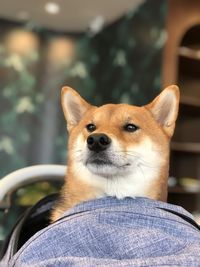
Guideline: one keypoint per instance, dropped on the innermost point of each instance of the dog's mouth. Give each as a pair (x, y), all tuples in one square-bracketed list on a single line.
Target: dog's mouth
[(101, 161)]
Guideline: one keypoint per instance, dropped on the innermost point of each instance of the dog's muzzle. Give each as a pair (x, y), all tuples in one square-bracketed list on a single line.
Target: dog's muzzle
[(98, 142)]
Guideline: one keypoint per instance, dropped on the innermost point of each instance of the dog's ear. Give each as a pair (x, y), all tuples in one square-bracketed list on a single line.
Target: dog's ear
[(164, 108), (74, 106)]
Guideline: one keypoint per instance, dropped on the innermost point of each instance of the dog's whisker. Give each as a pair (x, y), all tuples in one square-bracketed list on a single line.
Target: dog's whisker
[(149, 166), (139, 167), (76, 151), (77, 170)]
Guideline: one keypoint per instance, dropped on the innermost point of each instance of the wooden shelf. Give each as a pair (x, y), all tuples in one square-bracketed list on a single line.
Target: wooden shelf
[(185, 147), (182, 66), (181, 190), (189, 53), (190, 101)]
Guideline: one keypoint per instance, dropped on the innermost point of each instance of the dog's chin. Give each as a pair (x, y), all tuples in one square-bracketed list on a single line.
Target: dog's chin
[(106, 169)]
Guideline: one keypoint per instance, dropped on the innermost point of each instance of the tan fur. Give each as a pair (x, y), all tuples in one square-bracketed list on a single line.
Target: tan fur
[(156, 122)]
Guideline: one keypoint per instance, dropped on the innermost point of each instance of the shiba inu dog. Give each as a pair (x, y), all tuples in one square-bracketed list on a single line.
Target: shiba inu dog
[(117, 149)]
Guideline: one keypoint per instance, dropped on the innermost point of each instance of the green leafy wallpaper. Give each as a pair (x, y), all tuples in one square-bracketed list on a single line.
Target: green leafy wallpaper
[(121, 63)]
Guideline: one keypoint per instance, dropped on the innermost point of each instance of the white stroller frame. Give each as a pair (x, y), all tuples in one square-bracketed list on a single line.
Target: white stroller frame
[(28, 175)]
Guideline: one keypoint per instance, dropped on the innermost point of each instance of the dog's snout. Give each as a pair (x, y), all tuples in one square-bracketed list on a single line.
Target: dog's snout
[(98, 142)]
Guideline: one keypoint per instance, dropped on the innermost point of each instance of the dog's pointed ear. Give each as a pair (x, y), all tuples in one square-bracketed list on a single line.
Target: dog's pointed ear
[(164, 108), (74, 106)]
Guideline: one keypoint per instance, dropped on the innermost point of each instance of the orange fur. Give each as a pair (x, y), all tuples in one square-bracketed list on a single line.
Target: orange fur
[(156, 123)]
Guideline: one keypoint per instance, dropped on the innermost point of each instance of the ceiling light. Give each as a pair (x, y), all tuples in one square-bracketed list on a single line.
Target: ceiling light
[(52, 8)]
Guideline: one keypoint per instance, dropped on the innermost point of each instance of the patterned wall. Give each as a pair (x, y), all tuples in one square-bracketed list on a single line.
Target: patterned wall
[(121, 63)]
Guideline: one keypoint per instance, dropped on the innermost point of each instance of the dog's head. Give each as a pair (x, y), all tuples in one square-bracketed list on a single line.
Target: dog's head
[(121, 150)]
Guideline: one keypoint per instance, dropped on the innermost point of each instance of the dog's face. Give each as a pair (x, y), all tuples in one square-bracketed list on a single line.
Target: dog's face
[(115, 140), (120, 149)]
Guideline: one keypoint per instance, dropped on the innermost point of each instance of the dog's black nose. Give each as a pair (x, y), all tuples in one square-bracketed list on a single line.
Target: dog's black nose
[(98, 142)]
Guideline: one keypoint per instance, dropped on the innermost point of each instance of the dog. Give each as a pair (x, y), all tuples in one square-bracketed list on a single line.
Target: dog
[(117, 150)]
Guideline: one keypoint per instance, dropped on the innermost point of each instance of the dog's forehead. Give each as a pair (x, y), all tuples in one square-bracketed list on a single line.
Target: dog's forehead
[(119, 111)]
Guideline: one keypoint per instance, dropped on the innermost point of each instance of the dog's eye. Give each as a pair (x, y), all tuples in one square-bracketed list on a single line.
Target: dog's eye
[(130, 127), (91, 127)]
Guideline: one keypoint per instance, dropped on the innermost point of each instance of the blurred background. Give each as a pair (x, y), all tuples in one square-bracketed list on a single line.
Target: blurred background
[(110, 51)]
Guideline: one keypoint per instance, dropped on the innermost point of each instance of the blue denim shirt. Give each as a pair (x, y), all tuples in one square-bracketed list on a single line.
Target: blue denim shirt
[(112, 232)]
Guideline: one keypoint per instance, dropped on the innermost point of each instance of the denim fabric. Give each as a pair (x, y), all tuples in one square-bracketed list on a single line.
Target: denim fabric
[(111, 232)]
